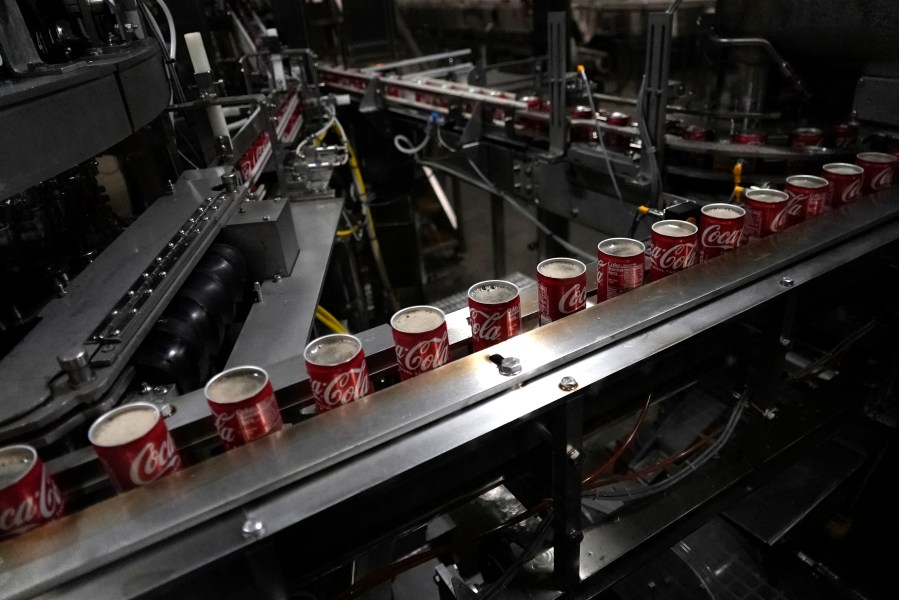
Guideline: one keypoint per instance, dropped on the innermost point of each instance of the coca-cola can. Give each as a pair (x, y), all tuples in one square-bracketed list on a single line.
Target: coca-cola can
[(420, 340), (720, 229), (337, 371), (561, 288), (134, 445), (494, 309), (620, 264), (845, 183), (28, 495), (243, 404), (814, 189), (697, 133), (749, 138), (807, 137), (844, 135), (673, 245), (616, 140), (767, 212), (879, 169)]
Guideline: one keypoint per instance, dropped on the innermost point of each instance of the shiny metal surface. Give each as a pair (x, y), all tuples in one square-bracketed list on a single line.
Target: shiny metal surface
[(278, 328), (399, 427), (28, 369)]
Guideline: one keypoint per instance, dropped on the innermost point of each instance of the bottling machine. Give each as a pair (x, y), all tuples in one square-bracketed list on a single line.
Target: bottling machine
[(185, 186)]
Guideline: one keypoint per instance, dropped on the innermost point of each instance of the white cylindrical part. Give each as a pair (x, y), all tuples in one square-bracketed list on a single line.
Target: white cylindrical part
[(197, 51), (278, 72), (217, 121)]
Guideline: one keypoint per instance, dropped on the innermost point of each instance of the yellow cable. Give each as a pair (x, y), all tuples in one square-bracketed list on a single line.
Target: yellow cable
[(370, 224), (329, 320), (328, 324)]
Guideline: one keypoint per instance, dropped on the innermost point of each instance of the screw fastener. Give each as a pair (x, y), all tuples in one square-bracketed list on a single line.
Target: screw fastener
[(253, 529), (568, 384)]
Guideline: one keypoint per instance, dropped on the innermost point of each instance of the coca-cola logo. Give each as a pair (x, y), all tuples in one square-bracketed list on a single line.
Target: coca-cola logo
[(222, 425), (425, 355), (881, 180), (346, 387), (153, 462), (489, 327), (714, 236), (852, 191), (600, 272), (792, 208), (574, 298), (34, 509), (675, 258)]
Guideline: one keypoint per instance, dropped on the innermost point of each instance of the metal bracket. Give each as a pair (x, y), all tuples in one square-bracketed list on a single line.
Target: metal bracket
[(372, 99)]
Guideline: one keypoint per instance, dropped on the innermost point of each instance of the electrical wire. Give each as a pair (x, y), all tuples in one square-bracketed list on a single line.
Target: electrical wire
[(828, 358), (329, 320), (369, 221), (486, 185), (599, 133), (173, 35), (627, 442), (404, 144), (187, 160), (704, 440), (685, 471)]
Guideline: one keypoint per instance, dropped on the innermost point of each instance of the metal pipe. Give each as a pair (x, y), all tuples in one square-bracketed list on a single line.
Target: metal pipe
[(409, 62), (786, 69)]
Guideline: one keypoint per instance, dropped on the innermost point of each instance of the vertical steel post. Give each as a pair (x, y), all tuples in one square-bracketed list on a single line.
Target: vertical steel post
[(655, 93), (567, 449), (557, 31)]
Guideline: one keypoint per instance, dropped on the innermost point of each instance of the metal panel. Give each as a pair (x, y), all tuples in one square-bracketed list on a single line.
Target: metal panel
[(28, 368), (53, 122), (265, 233), (875, 100), (278, 327), (145, 90)]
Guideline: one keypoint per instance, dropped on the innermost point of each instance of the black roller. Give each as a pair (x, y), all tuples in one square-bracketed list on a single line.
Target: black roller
[(173, 351)]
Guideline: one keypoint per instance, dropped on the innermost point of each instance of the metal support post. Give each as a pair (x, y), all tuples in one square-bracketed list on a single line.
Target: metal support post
[(655, 93), (557, 31), (498, 226), (567, 458)]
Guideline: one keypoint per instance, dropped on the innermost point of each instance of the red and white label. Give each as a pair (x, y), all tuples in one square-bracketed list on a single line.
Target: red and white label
[(424, 355), (496, 326), (716, 236), (154, 462), (347, 386), (33, 509), (790, 214), (675, 258)]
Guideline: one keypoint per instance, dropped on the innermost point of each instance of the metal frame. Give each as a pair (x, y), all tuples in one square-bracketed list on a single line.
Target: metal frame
[(287, 478)]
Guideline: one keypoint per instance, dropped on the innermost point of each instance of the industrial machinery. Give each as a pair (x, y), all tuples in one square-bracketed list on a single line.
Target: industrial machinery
[(208, 177)]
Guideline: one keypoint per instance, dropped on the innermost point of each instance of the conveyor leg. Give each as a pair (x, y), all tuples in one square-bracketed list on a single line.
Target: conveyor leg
[(567, 449)]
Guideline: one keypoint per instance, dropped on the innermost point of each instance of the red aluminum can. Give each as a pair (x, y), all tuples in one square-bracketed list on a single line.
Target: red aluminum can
[(421, 341), (614, 139), (844, 135), (807, 137), (494, 307), (814, 190), (673, 247), (337, 371), (620, 264), (697, 133), (243, 403), (134, 445), (766, 212), (720, 229), (845, 182), (749, 138), (561, 288), (28, 495), (879, 170), (583, 132)]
